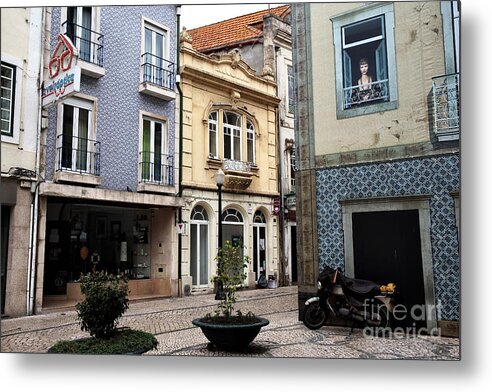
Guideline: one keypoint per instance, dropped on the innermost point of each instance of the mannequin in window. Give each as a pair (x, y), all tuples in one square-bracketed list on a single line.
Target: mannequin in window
[(365, 80)]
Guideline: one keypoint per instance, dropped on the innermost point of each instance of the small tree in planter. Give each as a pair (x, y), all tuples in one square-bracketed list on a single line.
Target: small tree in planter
[(224, 329), (106, 299)]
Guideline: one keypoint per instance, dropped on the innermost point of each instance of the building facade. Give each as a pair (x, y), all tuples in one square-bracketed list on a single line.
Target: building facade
[(377, 133), (229, 123), (21, 43), (108, 200), (263, 40)]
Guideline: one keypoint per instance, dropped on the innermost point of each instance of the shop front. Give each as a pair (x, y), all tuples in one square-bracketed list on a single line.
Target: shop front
[(83, 237)]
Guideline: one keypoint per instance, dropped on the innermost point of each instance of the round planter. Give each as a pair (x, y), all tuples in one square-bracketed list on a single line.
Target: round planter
[(230, 336)]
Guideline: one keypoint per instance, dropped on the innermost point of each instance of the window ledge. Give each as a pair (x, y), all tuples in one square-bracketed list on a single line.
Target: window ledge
[(68, 177), (367, 109), (156, 91), (155, 188), (90, 69)]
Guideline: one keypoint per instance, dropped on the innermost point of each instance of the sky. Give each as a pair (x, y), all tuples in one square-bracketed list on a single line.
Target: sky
[(193, 16)]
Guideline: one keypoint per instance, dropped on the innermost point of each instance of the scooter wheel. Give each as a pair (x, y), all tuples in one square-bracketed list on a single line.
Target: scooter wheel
[(314, 316)]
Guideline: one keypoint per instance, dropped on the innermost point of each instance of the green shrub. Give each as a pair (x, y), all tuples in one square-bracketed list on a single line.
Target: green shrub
[(106, 299), (230, 275), (124, 341)]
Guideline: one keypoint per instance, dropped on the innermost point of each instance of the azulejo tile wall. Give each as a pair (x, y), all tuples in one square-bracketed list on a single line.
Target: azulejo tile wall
[(437, 175), (119, 100)]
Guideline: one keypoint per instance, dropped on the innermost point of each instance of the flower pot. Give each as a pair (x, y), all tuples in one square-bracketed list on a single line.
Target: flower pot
[(230, 336)]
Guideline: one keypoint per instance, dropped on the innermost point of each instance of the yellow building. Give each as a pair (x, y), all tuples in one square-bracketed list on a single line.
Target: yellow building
[(229, 124)]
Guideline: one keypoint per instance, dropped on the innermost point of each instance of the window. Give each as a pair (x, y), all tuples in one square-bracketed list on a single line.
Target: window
[(232, 136), (81, 26), (155, 164), (212, 135), (7, 99), (290, 89), (293, 169), (365, 61), (77, 150), (199, 247), (156, 69), (250, 140)]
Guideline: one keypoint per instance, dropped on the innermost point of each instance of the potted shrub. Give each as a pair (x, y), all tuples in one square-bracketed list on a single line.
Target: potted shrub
[(225, 329), (105, 301)]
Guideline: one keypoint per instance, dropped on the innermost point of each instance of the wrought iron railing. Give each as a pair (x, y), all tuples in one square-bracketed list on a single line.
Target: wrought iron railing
[(88, 42), (238, 166), (446, 97), (366, 93), (158, 71), (156, 168), (79, 155)]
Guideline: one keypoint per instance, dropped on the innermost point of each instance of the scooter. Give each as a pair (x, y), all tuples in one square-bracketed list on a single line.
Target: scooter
[(360, 301)]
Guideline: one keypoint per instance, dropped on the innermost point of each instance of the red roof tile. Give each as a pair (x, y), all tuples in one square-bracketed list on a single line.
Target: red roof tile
[(228, 32)]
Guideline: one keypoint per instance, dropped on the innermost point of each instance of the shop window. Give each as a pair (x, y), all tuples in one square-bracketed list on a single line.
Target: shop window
[(365, 61)]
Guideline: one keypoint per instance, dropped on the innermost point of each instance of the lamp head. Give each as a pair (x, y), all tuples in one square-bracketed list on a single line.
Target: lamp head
[(219, 177)]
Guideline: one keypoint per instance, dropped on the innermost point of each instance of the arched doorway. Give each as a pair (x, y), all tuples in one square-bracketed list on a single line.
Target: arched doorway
[(233, 227), (199, 246), (259, 245)]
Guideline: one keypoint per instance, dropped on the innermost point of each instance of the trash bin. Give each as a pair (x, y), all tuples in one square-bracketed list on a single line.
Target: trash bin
[(272, 284)]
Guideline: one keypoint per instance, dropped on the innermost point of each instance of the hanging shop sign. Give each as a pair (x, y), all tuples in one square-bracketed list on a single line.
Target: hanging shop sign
[(64, 74)]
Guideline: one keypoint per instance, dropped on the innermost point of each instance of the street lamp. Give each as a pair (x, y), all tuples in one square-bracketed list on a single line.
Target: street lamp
[(219, 180)]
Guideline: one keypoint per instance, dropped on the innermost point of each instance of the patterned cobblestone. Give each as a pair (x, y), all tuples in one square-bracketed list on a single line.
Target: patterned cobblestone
[(285, 337)]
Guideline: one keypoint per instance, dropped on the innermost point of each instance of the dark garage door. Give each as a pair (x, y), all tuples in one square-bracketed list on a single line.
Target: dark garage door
[(387, 249)]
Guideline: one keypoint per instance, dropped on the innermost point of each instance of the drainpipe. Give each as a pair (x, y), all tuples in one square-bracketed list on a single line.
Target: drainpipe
[(180, 168), (33, 234)]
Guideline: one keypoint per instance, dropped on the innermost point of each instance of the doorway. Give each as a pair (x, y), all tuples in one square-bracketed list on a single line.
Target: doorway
[(293, 253), (388, 240), (387, 248), (4, 250), (259, 245), (199, 247)]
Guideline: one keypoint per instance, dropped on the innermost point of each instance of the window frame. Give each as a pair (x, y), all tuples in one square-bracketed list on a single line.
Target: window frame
[(290, 90), (250, 132), (95, 25), (355, 16), (16, 64), (216, 131), (164, 121), (234, 130), (78, 102), (157, 28)]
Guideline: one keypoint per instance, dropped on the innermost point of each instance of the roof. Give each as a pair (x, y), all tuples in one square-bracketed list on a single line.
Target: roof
[(233, 31)]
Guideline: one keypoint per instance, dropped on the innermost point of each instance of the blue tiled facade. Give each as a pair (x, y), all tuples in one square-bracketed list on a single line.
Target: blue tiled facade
[(438, 176), (118, 97)]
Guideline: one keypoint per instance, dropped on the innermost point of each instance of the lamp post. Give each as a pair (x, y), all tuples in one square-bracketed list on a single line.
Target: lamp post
[(219, 180)]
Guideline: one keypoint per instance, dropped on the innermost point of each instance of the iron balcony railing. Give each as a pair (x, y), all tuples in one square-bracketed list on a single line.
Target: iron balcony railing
[(366, 93), (158, 71), (88, 42), (446, 97), (238, 166), (79, 155), (156, 168)]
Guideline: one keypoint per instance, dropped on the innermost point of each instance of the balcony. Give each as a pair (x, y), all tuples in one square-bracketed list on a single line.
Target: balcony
[(446, 101), (156, 173), (238, 174), (368, 93), (77, 160), (90, 46), (158, 77)]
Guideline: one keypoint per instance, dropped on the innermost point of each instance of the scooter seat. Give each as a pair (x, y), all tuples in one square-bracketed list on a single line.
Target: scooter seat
[(361, 286)]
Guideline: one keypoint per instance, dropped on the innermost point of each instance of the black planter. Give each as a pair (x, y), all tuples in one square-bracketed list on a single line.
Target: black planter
[(230, 336)]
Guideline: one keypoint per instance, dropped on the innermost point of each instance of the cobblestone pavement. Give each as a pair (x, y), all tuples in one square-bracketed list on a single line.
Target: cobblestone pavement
[(285, 337)]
